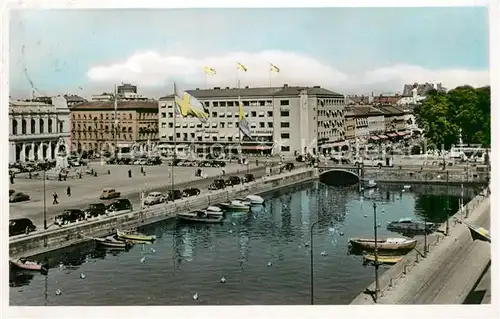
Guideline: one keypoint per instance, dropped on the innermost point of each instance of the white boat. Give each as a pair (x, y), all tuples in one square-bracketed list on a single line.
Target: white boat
[(254, 199), (371, 184), (200, 216), (236, 206), (214, 211)]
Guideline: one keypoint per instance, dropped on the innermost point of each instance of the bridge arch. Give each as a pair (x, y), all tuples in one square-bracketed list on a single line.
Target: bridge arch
[(338, 176)]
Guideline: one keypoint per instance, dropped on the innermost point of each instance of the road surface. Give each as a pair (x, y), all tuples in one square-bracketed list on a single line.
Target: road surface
[(88, 189)]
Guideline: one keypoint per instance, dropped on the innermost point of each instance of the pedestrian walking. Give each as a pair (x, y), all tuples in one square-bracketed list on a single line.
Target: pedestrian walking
[(109, 172), (68, 191), (12, 178), (129, 173), (55, 198), (223, 172), (142, 170)]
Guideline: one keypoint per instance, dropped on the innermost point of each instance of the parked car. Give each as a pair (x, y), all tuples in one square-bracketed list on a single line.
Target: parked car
[(69, 216), (233, 180), (118, 205), (289, 166), (140, 162), (18, 197), (109, 193), (174, 195), (213, 163), (190, 191), (95, 210), (248, 178), (217, 184), (154, 161), (300, 158), (154, 198), (21, 226)]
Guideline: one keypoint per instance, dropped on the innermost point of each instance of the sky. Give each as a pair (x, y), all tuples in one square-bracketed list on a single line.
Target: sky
[(347, 50)]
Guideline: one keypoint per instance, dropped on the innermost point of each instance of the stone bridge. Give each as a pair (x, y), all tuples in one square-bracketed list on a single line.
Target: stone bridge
[(337, 175)]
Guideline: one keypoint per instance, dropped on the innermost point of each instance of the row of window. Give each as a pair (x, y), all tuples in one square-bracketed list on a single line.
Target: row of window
[(334, 113), (41, 126), (235, 103), (216, 125), (235, 114), (101, 116)]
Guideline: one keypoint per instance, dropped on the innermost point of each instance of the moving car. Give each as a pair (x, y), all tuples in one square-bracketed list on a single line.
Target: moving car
[(248, 178), (18, 197), (21, 226), (154, 198), (233, 180), (69, 216), (109, 193), (217, 184), (190, 191), (174, 195), (119, 205), (95, 210)]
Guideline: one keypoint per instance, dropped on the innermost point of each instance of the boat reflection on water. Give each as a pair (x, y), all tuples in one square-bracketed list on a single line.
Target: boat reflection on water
[(19, 277)]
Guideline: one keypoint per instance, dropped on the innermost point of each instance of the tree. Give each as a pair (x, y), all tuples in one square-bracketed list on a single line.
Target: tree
[(442, 115)]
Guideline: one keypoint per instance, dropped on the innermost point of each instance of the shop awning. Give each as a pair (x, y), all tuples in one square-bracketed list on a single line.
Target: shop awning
[(392, 135), (382, 136), (401, 133), (375, 138), (256, 147)]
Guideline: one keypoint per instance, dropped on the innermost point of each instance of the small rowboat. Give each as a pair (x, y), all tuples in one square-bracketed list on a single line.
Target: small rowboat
[(255, 199), (112, 242), (400, 244), (200, 216), (134, 236), (383, 259), (25, 264)]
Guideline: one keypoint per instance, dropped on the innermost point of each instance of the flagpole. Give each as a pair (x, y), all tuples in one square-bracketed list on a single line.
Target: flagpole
[(237, 77), (270, 76), (206, 80), (175, 144)]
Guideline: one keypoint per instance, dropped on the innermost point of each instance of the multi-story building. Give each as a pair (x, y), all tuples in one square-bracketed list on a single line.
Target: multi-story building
[(349, 124), (396, 120), (95, 127), (283, 120), (39, 131), (74, 99), (369, 123), (410, 90)]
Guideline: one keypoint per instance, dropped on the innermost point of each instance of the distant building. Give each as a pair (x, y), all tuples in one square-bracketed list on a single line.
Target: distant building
[(126, 88), (369, 122), (421, 89), (386, 99), (283, 120), (103, 97), (396, 119), (74, 99), (39, 131), (95, 128)]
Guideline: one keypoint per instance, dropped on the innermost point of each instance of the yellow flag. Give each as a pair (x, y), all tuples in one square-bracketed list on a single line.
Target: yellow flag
[(209, 70), (242, 67), (274, 68)]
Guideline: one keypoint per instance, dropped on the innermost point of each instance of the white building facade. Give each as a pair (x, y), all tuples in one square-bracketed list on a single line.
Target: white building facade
[(39, 131), (283, 120)]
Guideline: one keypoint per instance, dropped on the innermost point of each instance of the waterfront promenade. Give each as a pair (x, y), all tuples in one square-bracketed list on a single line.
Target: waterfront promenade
[(88, 189), (447, 275)]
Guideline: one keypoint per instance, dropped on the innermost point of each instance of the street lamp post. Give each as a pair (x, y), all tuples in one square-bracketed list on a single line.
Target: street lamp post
[(44, 200), (377, 288), (311, 252), (425, 235)]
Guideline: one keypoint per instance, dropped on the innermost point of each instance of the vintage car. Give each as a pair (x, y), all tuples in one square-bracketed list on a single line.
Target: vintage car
[(248, 178), (109, 193), (20, 226), (154, 198), (217, 184), (190, 191), (18, 197), (69, 216), (233, 180), (174, 195), (119, 205), (95, 210)]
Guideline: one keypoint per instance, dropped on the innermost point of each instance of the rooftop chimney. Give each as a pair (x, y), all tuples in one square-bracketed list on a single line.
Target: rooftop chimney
[(285, 85), (227, 87), (316, 86), (216, 88), (197, 89), (246, 87)]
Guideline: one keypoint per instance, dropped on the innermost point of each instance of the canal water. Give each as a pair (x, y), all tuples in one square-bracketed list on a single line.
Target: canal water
[(263, 256)]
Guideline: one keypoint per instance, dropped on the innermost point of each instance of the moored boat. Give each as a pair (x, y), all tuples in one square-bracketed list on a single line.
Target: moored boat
[(409, 225), (214, 211), (112, 242), (401, 244), (255, 199), (200, 216), (23, 263), (134, 236), (371, 184), (381, 259), (237, 206)]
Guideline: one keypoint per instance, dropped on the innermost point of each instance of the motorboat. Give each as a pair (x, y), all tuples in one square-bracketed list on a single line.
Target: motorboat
[(236, 206), (23, 263), (214, 211), (200, 216), (255, 199), (382, 259), (134, 236), (112, 242), (409, 225), (400, 244)]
